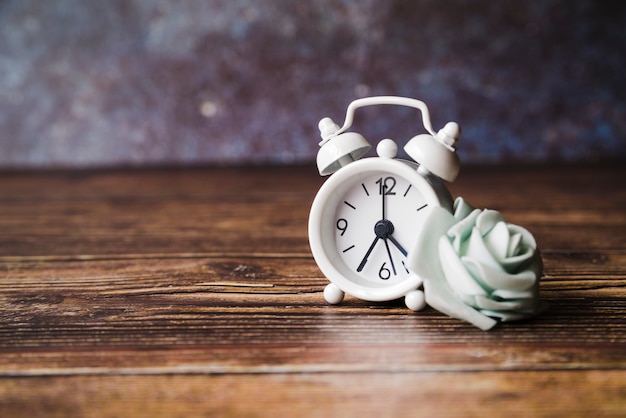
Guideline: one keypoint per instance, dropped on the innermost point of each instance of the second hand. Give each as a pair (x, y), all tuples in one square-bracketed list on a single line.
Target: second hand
[(367, 254)]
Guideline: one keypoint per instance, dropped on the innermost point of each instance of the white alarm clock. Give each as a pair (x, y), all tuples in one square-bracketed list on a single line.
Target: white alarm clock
[(365, 217)]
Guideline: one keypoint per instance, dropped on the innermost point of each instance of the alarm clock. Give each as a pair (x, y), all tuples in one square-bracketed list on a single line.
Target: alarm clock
[(366, 216)]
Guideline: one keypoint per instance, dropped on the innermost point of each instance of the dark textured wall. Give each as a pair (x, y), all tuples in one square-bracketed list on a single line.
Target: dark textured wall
[(93, 83)]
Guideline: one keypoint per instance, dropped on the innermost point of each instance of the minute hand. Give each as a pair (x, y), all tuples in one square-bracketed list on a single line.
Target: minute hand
[(383, 193)]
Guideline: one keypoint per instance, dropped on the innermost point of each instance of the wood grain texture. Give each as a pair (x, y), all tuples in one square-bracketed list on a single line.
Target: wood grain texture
[(193, 292), (515, 394)]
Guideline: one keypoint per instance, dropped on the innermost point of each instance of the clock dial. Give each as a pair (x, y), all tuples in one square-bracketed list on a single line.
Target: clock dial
[(363, 222), (374, 225)]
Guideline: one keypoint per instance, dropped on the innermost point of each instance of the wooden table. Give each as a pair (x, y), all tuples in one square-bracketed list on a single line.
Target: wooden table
[(192, 292)]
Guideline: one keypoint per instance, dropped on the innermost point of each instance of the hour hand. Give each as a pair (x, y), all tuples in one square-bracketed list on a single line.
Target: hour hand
[(397, 244)]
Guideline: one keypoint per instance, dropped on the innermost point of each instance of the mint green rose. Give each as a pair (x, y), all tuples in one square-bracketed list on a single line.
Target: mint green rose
[(476, 266), (491, 265)]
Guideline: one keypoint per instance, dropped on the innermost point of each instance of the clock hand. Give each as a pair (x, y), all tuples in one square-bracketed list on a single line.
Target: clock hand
[(397, 244), (393, 267), (384, 192), (367, 254)]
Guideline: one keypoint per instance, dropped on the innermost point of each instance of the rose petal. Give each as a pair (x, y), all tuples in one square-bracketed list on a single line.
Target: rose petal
[(478, 250), (498, 241), (495, 278), (487, 220), (514, 264), (455, 273), (527, 238), (462, 208), (504, 294), (483, 302), (532, 307), (423, 258), (515, 240), (440, 296), (505, 316), (460, 231)]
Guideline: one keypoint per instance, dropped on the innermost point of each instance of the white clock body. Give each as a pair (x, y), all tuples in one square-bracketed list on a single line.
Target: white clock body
[(363, 220)]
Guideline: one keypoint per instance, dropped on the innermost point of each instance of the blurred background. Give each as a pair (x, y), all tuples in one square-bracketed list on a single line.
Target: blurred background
[(162, 82)]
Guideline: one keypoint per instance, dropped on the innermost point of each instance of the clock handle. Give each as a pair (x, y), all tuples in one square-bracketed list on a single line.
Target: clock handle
[(381, 100), (434, 151)]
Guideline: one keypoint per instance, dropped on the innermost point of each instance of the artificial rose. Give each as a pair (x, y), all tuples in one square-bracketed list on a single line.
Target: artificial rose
[(491, 265), (475, 266)]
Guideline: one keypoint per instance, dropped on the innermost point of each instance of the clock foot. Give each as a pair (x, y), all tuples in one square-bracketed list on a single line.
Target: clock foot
[(333, 294), (415, 300)]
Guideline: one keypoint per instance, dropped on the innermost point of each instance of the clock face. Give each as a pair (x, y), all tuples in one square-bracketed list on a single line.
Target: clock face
[(364, 221), (374, 224)]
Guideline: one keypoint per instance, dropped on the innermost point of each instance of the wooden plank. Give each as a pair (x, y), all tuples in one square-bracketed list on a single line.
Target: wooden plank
[(192, 290), (206, 304), (161, 226), (209, 211), (293, 357), (516, 394), (148, 212)]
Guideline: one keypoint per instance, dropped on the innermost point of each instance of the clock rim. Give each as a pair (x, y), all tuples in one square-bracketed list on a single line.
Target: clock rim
[(325, 203)]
